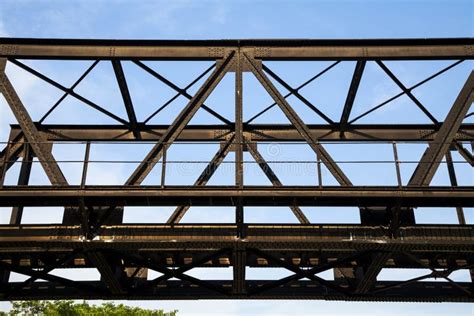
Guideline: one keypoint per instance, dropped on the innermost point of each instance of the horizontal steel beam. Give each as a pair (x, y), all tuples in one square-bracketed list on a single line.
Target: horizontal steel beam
[(254, 132), (227, 195), (331, 237), (32, 257), (285, 49), (171, 290)]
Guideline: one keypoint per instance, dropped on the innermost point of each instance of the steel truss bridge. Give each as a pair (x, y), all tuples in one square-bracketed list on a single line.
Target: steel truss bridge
[(92, 234)]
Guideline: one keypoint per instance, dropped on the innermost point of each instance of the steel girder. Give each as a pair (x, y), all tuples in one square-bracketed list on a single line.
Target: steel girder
[(227, 195), (93, 235), (256, 132), (411, 49)]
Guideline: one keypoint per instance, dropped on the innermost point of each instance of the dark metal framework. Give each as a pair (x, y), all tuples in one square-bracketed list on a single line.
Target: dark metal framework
[(92, 233)]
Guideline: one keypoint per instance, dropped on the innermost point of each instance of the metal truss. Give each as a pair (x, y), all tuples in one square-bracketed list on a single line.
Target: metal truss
[(92, 234)]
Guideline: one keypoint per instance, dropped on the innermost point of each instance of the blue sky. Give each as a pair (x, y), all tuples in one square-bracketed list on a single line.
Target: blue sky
[(245, 19)]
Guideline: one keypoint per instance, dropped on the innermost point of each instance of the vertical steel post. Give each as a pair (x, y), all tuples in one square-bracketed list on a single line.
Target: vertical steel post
[(239, 254), (320, 174), (454, 183), (163, 166), (23, 179), (397, 164), (83, 209), (239, 154), (5, 161), (85, 165)]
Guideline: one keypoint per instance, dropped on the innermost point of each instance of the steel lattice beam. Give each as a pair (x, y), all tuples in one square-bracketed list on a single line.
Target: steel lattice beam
[(93, 235)]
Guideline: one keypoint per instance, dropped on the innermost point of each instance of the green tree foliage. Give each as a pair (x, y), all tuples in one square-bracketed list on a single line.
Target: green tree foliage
[(70, 308)]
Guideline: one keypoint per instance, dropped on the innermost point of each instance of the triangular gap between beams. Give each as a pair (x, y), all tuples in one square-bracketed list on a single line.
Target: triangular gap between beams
[(377, 87), (101, 87), (221, 101), (304, 110), (166, 76)]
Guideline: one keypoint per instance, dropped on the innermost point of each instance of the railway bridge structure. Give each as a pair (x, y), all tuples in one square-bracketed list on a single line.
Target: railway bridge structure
[(93, 235)]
